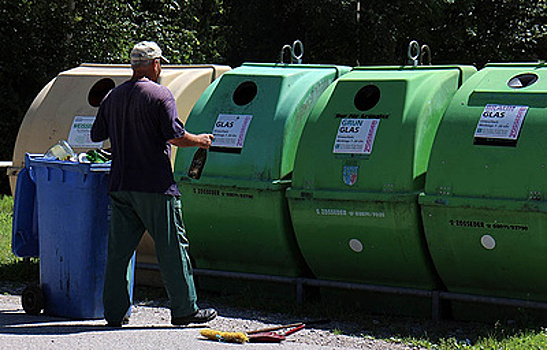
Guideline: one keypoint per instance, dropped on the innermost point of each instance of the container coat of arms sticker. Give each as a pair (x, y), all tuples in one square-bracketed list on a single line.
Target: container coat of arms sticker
[(349, 174)]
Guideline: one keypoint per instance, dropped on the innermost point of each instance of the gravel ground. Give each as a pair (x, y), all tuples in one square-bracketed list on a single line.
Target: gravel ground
[(150, 328)]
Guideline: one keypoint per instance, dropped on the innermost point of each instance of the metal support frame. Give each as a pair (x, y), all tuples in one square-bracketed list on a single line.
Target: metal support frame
[(6, 164), (299, 282)]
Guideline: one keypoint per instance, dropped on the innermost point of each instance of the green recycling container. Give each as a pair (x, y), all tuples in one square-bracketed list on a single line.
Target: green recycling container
[(484, 207), (359, 169), (236, 213)]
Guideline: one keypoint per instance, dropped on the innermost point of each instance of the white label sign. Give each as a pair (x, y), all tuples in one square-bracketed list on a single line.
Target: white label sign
[(501, 122), (80, 133), (356, 136), (230, 130)]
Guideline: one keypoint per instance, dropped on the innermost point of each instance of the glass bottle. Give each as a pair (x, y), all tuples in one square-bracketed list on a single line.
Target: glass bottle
[(198, 163)]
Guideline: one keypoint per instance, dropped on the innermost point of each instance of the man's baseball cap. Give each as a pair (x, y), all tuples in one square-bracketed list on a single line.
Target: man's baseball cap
[(146, 50)]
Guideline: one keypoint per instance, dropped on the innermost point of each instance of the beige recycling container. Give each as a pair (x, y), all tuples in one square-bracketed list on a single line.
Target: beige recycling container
[(66, 108)]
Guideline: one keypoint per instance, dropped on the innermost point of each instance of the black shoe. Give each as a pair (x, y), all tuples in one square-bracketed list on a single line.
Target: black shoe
[(118, 324), (200, 316)]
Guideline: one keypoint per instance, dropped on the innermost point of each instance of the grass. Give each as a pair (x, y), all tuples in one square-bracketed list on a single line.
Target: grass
[(12, 268), (480, 336), (523, 333), (6, 209)]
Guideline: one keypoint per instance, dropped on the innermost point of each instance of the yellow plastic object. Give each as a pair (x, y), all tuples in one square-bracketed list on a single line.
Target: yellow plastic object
[(230, 337)]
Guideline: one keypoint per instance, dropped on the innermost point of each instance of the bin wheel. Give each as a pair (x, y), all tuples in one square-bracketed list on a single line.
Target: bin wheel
[(33, 300)]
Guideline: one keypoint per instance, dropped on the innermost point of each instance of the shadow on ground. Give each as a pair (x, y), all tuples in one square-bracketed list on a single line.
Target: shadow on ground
[(16, 323)]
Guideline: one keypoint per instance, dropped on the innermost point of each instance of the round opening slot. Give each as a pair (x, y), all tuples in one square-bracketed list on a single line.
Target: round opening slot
[(99, 91), (522, 80), (245, 93), (367, 97)]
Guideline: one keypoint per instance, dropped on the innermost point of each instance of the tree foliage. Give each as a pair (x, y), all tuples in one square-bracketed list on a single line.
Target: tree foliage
[(104, 31), (492, 30), (40, 38)]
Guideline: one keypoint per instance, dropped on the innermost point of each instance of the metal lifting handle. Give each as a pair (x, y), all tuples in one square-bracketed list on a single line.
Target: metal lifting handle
[(426, 52), (413, 58), (420, 55), (296, 46), (282, 55)]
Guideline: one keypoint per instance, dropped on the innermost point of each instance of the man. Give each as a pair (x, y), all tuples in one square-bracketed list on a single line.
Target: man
[(140, 118)]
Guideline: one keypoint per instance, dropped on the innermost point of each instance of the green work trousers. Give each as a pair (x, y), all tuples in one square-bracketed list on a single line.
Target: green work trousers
[(131, 214)]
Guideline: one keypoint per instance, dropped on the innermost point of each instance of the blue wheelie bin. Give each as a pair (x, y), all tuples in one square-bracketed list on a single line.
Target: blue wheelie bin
[(73, 215)]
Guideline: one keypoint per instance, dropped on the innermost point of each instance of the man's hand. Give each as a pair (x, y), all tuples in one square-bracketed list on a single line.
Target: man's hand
[(205, 140), (191, 140)]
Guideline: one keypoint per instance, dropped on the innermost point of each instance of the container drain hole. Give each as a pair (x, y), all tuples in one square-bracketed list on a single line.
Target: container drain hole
[(522, 80), (367, 97), (245, 93), (99, 91)]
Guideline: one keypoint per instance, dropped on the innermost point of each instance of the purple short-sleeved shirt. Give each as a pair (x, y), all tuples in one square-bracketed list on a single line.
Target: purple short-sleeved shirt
[(139, 117)]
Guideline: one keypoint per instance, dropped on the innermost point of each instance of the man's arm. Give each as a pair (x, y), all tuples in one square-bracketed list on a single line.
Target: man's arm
[(99, 130), (192, 140)]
